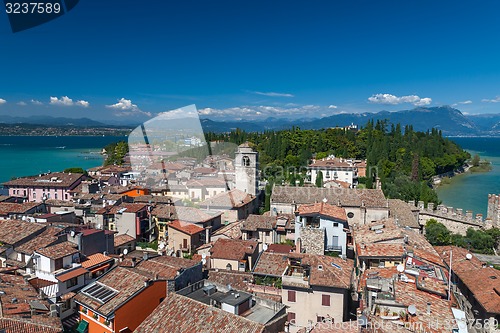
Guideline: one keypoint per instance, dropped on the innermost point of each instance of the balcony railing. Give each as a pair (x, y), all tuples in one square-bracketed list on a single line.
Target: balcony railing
[(333, 248)]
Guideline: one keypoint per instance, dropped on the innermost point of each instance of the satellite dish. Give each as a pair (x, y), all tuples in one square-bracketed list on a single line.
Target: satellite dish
[(468, 256), (203, 255), (72, 233), (125, 251), (161, 246), (325, 200), (400, 268), (264, 247), (412, 309)]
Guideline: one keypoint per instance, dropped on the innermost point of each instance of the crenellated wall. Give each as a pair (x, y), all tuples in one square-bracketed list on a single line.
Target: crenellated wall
[(454, 219)]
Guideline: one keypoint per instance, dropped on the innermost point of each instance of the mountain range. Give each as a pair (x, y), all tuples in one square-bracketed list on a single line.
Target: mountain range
[(451, 121)]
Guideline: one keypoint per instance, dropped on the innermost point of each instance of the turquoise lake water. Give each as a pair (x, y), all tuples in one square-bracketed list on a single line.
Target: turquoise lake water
[(470, 191), (32, 155)]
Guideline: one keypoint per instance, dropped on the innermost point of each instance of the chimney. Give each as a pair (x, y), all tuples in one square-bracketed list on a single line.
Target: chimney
[(145, 256), (298, 246), (133, 262), (207, 235), (428, 308)]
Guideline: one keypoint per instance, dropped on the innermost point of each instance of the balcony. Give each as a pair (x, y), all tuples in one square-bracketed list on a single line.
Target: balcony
[(296, 276), (333, 248)]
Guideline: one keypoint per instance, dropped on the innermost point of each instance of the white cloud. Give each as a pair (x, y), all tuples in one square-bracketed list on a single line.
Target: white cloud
[(495, 100), (462, 103), (22, 103), (66, 101), (127, 108), (394, 100), (35, 102), (82, 103), (273, 94), (332, 106), (2, 101), (265, 111)]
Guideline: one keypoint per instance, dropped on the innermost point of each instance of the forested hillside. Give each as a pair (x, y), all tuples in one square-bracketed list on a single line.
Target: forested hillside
[(404, 159)]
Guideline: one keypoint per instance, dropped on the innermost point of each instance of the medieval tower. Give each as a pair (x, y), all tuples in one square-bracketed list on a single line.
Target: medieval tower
[(494, 209), (246, 167)]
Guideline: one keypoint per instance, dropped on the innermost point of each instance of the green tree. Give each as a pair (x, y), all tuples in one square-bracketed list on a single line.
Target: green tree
[(319, 179), (75, 170), (436, 233), (476, 160)]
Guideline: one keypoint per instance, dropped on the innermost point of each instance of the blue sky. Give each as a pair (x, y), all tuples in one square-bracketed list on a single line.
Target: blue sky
[(121, 60)]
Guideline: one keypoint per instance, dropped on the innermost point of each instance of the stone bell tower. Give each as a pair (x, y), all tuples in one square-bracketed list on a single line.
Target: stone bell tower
[(246, 166)]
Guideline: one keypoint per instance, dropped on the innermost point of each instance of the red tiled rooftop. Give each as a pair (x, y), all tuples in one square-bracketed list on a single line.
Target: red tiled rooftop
[(96, 260), (324, 209), (186, 227), (122, 239), (58, 251), (233, 249)]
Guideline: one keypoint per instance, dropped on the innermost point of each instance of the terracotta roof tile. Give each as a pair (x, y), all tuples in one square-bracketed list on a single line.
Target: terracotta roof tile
[(55, 179), (164, 267), (231, 199), (346, 197), (259, 222), (324, 209), (188, 214), (181, 314), (233, 249), (46, 238), (124, 208), (58, 251), (272, 264), (17, 208), (96, 260), (237, 280), (379, 250), (483, 282), (232, 230), (125, 281), (186, 227), (122, 239), (13, 231)]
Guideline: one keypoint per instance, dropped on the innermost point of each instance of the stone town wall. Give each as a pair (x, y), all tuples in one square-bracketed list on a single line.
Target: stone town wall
[(454, 219)]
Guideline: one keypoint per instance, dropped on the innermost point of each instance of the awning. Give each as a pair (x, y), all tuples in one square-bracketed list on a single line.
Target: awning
[(71, 274), (83, 327)]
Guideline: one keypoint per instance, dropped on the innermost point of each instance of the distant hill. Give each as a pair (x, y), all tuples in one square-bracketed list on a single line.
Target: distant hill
[(486, 122), (449, 120), (51, 121)]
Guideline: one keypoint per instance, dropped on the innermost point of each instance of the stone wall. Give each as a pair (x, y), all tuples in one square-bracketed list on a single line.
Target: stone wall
[(313, 240), (454, 219)]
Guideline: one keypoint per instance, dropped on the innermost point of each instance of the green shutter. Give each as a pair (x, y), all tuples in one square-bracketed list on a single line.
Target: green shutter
[(83, 327)]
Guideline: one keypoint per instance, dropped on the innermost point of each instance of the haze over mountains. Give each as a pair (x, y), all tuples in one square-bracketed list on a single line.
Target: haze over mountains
[(449, 120)]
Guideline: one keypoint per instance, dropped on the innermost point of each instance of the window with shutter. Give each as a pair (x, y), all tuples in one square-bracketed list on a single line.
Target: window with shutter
[(291, 295), (325, 300)]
